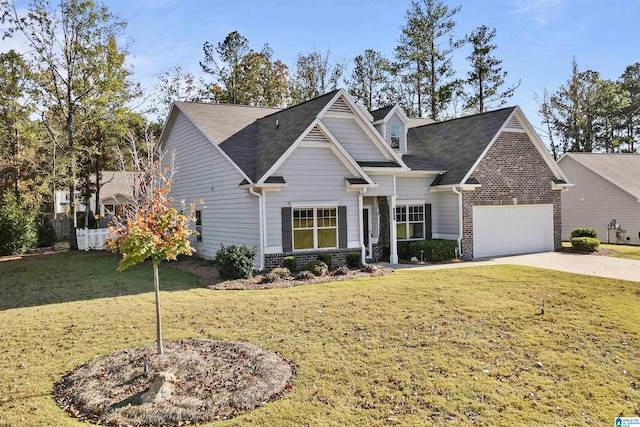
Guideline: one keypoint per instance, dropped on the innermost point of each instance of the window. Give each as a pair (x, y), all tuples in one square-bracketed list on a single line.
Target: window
[(410, 222), (315, 228), (394, 133), (199, 226)]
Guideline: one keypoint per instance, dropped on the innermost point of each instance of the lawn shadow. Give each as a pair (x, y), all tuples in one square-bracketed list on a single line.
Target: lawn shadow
[(80, 276)]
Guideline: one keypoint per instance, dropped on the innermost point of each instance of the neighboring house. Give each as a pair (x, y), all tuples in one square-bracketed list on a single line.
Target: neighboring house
[(114, 193), (607, 189), (307, 179)]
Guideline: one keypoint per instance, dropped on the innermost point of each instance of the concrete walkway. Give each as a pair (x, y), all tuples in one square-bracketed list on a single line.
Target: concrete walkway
[(593, 265)]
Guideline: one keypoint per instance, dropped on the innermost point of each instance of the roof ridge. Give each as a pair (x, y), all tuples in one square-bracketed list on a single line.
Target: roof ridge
[(332, 93), (461, 117), (224, 104)]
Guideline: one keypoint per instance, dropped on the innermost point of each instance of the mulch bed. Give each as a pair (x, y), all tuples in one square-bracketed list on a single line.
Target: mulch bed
[(208, 276), (215, 380)]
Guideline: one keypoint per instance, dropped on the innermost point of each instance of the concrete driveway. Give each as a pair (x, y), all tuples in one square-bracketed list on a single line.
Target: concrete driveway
[(593, 265)]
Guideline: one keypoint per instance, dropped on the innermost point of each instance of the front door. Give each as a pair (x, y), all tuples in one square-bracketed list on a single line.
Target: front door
[(366, 230)]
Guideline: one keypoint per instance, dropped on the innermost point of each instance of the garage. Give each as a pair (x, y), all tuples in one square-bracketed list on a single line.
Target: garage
[(514, 229)]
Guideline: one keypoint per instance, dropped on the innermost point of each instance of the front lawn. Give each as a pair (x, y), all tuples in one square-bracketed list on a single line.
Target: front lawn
[(441, 347)]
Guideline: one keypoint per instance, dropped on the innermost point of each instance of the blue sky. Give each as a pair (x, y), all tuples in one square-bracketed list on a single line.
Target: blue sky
[(536, 39)]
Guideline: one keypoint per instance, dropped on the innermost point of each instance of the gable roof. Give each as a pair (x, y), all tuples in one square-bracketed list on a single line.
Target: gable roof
[(257, 146), (453, 145), (113, 183), (380, 113), (221, 121), (622, 170)]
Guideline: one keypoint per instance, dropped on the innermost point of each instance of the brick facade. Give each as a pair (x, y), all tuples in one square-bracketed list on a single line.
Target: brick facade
[(338, 257), (512, 168)]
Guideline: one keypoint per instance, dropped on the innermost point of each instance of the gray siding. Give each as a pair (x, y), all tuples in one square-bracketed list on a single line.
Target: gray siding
[(414, 188), (313, 174), (385, 185), (445, 213), (231, 214), (593, 202), (353, 139)]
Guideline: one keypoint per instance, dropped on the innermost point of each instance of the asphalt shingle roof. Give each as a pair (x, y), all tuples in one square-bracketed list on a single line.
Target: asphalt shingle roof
[(380, 113), (622, 170), (453, 145)]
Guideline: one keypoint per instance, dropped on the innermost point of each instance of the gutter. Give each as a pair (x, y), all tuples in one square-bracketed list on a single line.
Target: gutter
[(261, 221), (459, 193)]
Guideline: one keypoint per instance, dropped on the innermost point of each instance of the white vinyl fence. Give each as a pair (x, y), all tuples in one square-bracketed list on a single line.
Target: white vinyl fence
[(90, 238)]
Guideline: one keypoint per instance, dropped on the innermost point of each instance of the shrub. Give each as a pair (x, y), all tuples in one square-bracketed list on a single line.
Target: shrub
[(435, 250), (281, 271), (404, 250), (290, 263), (46, 232), (584, 232), (341, 271), (235, 262), (326, 258), (270, 278), (317, 267), (368, 268), (17, 227), (353, 259), (585, 244), (305, 275)]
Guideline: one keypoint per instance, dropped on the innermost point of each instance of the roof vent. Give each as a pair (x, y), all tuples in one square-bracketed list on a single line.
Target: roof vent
[(277, 123)]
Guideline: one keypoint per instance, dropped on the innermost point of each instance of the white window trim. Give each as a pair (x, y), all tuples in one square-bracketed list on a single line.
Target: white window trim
[(300, 205), (315, 227), (391, 135), (399, 205)]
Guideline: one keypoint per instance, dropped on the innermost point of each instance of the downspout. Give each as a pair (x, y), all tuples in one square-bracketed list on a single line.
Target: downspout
[(363, 251), (260, 220), (459, 247)]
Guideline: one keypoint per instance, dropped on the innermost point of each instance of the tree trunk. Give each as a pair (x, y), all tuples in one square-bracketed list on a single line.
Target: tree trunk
[(156, 285)]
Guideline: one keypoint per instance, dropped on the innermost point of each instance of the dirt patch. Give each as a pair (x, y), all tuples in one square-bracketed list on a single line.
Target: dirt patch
[(215, 380)]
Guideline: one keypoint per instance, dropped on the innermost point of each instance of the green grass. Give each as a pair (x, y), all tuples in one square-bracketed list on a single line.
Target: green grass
[(622, 251), (440, 347)]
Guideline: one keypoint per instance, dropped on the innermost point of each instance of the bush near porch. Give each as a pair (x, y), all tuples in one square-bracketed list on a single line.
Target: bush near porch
[(434, 250)]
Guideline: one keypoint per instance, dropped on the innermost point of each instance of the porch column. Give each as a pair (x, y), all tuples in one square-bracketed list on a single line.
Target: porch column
[(363, 257), (393, 238)]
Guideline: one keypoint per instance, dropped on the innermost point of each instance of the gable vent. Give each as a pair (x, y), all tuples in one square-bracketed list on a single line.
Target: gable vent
[(315, 135), (340, 107), (513, 124)]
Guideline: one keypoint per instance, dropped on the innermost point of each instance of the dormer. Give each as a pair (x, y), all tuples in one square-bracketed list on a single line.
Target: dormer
[(392, 123)]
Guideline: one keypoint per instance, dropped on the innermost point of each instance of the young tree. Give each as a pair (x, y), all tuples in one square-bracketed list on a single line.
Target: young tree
[(149, 227), (369, 78), (68, 44), (424, 53), (315, 75), (486, 77)]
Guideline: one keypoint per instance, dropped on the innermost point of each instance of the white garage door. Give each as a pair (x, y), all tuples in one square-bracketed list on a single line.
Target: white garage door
[(509, 230)]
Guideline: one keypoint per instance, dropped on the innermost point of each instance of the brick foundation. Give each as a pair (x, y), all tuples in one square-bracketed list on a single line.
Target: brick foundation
[(338, 257), (512, 168)]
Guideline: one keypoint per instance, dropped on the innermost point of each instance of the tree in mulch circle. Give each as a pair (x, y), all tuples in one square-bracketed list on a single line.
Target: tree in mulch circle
[(149, 227)]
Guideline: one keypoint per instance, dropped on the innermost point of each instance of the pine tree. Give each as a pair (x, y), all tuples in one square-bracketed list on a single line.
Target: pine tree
[(486, 77)]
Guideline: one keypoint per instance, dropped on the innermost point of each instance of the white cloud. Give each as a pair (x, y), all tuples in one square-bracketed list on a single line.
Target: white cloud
[(541, 12)]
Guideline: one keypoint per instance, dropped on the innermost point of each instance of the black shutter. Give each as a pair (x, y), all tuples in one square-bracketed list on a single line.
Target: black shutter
[(428, 228), (287, 233), (342, 227)]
